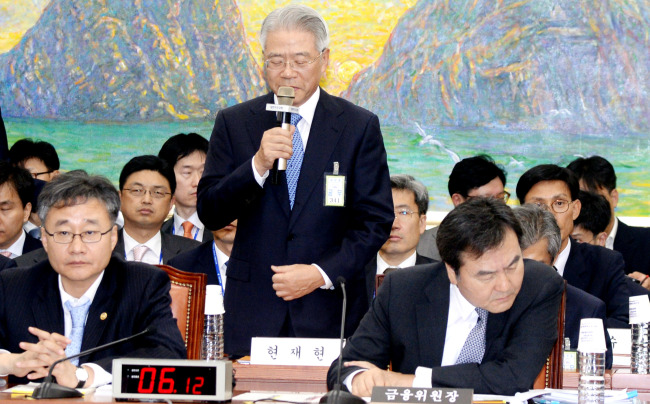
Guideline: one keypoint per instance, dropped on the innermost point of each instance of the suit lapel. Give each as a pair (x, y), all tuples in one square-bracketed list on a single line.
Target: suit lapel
[(119, 246), (101, 310), (432, 319), (495, 324), (47, 308), (324, 134), (168, 248), (575, 272)]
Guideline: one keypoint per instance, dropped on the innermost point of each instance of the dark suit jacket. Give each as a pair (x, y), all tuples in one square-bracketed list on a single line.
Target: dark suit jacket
[(634, 244), (31, 244), (133, 295), (171, 246), (168, 227), (371, 273), (6, 262), (579, 305), (199, 259), (599, 271), (407, 322), (341, 240)]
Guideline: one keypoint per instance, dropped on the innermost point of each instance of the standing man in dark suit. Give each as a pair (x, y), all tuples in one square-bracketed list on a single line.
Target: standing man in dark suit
[(16, 191), (186, 154), (597, 175), (483, 318), (82, 296), (411, 201), (147, 184), (296, 233), (594, 269)]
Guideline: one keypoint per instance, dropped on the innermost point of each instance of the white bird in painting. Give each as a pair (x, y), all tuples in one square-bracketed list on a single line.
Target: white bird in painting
[(428, 139)]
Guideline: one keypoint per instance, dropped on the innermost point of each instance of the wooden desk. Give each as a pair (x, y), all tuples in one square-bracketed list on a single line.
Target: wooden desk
[(303, 379)]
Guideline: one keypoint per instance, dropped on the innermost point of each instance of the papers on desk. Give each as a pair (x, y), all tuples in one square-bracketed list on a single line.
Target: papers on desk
[(261, 396), (555, 396)]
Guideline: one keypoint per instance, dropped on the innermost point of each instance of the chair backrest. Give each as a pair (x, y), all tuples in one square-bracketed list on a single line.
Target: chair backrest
[(188, 306), (551, 374)]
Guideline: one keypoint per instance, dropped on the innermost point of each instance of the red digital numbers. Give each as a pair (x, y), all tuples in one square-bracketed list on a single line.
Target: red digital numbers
[(195, 389), (165, 384)]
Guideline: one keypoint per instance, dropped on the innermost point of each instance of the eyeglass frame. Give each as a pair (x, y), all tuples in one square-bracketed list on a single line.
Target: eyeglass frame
[(551, 208), (399, 213), (35, 175), (304, 66), (133, 192), (81, 236)]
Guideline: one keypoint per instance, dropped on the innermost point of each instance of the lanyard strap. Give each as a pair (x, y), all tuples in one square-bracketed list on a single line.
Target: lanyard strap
[(216, 265)]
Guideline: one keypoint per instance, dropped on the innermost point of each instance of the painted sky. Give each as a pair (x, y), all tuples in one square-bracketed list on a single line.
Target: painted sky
[(358, 29)]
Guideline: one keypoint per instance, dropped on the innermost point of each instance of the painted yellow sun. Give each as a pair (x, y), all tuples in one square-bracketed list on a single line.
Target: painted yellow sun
[(359, 29)]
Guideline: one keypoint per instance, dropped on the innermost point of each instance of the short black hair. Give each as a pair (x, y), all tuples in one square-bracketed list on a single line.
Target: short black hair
[(20, 179), (473, 228), (595, 213), (25, 149), (547, 172), (151, 163), (474, 172), (595, 172), (182, 145)]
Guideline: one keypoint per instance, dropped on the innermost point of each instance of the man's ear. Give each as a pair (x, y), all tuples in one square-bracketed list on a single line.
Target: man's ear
[(457, 199), (451, 274), (601, 239)]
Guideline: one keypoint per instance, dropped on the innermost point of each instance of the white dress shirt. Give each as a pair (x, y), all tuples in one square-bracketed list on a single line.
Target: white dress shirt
[(383, 265), (562, 258), (609, 243), (153, 256), (222, 258), (101, 377), (16, 249), (197, 231)]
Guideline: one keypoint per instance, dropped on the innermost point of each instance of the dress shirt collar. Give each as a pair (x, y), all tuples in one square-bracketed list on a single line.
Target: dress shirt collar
[(16, 249), (609, 243), (88, 295), (194, 219), (154, 244), (382, 265), (563, 256), (222, 258), (460, 309)]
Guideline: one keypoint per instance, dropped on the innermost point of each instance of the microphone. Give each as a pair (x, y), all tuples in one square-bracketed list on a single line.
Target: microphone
[(285, 97), (336, 396), (50, 389)]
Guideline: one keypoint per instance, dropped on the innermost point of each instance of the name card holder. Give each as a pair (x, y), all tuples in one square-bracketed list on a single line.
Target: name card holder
[(294, 351), (421, 395)]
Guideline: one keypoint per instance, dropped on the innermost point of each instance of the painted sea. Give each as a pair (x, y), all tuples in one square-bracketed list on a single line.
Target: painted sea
[(428, 153)]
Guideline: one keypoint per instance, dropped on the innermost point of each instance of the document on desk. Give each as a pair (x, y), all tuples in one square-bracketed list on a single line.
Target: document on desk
[(278, 397), (554, 396)]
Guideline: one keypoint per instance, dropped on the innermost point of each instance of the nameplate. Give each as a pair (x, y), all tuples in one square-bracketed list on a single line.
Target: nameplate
[(282, 108), (421, 395), (294, 351), (621, 340)]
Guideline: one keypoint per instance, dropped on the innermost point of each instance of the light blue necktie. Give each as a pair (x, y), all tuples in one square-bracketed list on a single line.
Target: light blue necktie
[(474, 347), (78, 315), (295, 162)]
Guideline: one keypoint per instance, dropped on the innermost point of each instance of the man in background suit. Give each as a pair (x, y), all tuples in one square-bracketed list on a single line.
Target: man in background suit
[(470, 177), (597, 175), (147, 184), (82, 296), (326, 218), (211, 257), (186, 154), (594, 269), (429, 322), (16, 191), (411, 201), (540, 241)]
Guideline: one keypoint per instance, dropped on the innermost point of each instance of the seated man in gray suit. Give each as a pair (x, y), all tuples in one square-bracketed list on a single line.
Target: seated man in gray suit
[(82, 296), (471, 177), (147, 184), (483, 318), (411, 201)]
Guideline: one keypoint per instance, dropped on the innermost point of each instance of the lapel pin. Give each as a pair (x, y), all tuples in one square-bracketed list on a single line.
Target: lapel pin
[(103, 316)]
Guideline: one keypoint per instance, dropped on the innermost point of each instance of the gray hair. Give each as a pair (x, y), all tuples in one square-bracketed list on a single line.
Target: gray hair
[(537, 224), (75, 188), (296, 17), (406, 182)]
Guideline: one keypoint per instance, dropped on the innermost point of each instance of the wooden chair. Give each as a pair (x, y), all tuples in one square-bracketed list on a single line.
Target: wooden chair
[(188, 306), (551, 374)]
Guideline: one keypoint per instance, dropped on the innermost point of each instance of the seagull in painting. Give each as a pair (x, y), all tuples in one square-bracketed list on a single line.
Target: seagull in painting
[(428, 139)]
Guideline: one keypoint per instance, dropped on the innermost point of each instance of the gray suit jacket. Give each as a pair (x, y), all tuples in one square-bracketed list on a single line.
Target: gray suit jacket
[(427, 246)]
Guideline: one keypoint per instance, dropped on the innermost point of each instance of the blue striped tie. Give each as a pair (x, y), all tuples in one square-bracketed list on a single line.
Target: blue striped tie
[(78, 315), (295, 162)]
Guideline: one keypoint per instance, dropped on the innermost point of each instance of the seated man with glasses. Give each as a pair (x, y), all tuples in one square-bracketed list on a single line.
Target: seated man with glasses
[(594, 269), (82, 296), (147, 184), (411, 201), (470, 177)]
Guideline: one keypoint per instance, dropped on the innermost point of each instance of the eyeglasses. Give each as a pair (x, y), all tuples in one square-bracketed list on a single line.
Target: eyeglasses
[(66, 237), (35, 175), (502, 196), (404, 213), (301, 63), (557, 206), (140, 192)]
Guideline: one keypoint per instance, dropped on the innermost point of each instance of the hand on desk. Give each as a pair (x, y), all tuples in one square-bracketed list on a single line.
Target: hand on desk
[(294, 281), (363, 382), (642, 278)]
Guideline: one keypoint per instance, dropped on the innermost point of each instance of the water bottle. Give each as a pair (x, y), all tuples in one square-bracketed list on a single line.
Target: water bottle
[(591, 361), (640, 322), (212, 347)]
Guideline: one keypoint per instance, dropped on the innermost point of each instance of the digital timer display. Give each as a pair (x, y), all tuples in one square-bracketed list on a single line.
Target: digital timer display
[(147, 379)]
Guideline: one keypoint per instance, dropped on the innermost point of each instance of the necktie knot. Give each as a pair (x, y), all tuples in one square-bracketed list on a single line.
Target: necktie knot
[(139, 251), (6, 254), (295, 118), (187, 229)]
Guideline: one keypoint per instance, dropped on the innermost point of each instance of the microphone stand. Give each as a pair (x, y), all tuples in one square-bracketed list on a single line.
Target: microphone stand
[(50, 389)]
